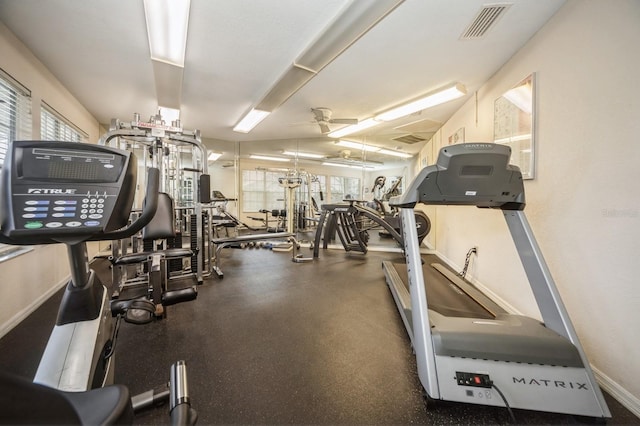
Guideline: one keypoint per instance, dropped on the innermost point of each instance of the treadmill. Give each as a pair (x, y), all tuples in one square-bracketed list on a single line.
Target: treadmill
[(468, 349)]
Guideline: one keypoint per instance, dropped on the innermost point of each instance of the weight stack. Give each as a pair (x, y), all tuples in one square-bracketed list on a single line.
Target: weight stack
[(175, 265), (193, 240), (302, 213), (147, 245)]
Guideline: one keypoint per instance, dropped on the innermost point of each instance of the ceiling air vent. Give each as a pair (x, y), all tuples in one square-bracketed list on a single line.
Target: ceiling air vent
[(484, 20), (410, 139)]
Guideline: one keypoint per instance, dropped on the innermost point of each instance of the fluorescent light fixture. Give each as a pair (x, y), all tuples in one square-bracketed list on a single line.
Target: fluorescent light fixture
[(395, 153), (441, 96), (213, 156), (357, 145), (167, 24), (351, 23), (290, 82), (350, 166), (517, 138), (370, 122), (302, 154), (268, 158), (371, 148), (250, 120), (272, 169), (335, 164)]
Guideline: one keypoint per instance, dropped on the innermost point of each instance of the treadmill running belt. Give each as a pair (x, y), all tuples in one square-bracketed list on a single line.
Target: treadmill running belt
[(443, 296)]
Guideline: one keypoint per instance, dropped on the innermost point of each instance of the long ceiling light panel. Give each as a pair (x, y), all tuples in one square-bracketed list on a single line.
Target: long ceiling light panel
[(441, 96), (167, 24), (213, 156), (351, 24), (250, 120), (302, 154), (365, 124), (268, 158), (371, 148)]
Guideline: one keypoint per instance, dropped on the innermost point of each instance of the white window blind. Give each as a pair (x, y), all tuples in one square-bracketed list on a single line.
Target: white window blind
[(15, 124), (343, 188), (261, 190), (15, 113), (54, 127)]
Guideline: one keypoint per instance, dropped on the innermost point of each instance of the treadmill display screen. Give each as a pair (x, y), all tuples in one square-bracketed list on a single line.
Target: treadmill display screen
[(69, 165)]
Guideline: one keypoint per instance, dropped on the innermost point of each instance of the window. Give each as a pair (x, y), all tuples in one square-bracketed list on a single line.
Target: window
[(317, 189), (15, 124), (344, 188), (54, 127), (15, 113), (261, 190)]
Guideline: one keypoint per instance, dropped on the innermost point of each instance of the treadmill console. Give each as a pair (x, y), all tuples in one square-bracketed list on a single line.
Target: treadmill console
[(64, 191), (472, 174)]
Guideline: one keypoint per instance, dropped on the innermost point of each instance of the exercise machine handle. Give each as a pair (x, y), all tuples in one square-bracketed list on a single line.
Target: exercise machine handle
[(179, 401), (148, 210)]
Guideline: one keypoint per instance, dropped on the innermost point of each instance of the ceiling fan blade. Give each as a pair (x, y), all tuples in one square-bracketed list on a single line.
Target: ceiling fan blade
[(344, 121)]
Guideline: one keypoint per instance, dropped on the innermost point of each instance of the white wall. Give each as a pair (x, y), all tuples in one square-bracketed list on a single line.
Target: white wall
[(584, 205), (28, 280)]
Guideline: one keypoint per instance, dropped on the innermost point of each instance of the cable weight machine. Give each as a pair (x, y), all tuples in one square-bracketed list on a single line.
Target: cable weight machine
[(175, 152)]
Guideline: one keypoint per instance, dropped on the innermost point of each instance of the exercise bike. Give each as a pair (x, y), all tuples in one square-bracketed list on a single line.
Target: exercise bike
[(71, 193)]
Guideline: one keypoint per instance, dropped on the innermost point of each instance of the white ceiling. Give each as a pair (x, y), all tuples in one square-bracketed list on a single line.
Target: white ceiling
[(237, 50)]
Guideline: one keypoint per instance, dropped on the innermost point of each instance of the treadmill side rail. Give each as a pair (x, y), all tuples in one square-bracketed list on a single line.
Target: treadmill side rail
[(554, 314), (422, 341), (400, 295)]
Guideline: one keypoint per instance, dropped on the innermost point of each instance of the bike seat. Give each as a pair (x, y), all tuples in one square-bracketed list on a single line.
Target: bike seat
[(24, 402)]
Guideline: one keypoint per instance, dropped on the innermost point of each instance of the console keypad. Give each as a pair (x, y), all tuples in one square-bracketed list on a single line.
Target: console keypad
[(64, 211)]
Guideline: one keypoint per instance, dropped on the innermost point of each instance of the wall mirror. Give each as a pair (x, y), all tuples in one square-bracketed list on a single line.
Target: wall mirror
[(514, 124)]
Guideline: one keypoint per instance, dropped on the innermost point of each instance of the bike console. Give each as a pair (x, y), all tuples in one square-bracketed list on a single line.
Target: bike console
[(64, 192)]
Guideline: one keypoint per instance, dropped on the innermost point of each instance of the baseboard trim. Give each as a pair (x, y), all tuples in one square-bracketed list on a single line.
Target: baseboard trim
[(619, 393), (28, 310)]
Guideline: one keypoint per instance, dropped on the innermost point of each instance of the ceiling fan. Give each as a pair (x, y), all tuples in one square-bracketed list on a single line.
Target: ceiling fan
[(346, 156), (323, 118)]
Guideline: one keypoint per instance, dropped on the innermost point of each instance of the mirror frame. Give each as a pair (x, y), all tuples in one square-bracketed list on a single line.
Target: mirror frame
[(515, 123)]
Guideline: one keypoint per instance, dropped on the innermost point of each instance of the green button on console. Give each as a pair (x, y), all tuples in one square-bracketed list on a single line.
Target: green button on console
[(33, 225)]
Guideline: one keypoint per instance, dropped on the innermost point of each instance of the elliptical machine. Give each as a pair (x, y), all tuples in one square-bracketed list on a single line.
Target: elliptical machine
[(71, 193)]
